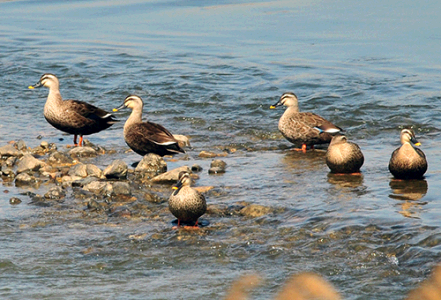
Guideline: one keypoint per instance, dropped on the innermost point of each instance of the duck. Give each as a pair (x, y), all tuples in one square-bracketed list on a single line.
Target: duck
[(146, 137), (186, 203), (344, 157), (72, 116), (407, 161), (304, 129)]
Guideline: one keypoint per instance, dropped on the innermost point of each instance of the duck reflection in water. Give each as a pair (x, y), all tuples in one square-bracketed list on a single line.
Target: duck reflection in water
[(410, 192)]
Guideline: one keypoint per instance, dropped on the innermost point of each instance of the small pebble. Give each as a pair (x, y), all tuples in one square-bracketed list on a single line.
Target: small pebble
[(14, 201)]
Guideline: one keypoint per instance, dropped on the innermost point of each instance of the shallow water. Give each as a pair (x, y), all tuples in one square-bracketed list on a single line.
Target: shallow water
[(211, 71)]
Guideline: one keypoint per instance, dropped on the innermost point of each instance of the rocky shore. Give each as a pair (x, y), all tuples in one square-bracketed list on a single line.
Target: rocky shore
[(47, 176)]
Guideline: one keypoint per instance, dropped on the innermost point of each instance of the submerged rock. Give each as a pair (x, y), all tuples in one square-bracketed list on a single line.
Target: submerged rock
[(121, 188), (255, 210), (217, 166), (99, 188), (116, 170), (207, 154), (14, 201), (196, 168), (151, 163), (29, 163), (170, 176), (55, 193)]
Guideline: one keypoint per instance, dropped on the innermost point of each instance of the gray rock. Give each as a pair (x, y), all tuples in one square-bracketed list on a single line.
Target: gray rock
[(121, 188), (83, 181), (79, 170), (82, 152), (116, 170), (170, 176), (217, 166), (99, 187), (21, 145), (24, 179), (151, 163), (11, 161), (55, 193), (93, 171), (29, 163), (10, 150), (59, 158)]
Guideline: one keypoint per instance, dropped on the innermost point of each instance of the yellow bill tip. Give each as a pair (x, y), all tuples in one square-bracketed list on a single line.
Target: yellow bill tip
[(272, 107), (115, 109), (174, 188), (418, 144), (30, 87)]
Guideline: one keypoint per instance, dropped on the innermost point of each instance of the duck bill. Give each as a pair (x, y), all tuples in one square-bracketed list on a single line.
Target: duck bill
[(275, 105), (177, 187), (415, 142), (118, 108), (37, 85)]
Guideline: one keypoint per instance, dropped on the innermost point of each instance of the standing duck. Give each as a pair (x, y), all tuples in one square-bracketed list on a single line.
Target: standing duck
[(303, 128), (72, 116), (343, 156), (146, 137), (185, 203), (408, 162)]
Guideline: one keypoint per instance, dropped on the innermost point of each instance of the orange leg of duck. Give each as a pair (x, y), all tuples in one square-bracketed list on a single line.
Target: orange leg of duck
[(81, 141)]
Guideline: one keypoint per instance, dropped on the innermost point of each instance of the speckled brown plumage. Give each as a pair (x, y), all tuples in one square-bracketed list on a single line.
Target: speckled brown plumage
[(303, 128), (343, 156), (146, 137), (72, 116), (408, 162), (185, 203)]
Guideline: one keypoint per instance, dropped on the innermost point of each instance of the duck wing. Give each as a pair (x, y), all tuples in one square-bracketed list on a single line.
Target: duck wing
[(148, 132), (315, 121), (89, 111)]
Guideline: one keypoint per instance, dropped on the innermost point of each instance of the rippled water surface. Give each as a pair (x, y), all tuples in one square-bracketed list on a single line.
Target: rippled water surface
[(210, 70)]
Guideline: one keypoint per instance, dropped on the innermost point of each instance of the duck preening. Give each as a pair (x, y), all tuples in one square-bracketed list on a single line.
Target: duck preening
[(72, 116)]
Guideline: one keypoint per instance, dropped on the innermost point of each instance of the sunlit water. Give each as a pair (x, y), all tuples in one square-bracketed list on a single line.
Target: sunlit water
[(210, 71)]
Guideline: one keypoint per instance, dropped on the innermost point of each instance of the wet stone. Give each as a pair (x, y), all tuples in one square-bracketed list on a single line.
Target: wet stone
[(82, 152), (121, 188), (98, 187), (207, 154), (217, 166), (24, 179), (29, 163), (151, 163), (44, 145), (79, 170), (55, 193), (21, 145), (59, 158), (120, 211), (196, 168), (83, 181), (10, 150), (14, 201), (93, 171), (10, 161), (8, 172), (116, 170), (170, 176)]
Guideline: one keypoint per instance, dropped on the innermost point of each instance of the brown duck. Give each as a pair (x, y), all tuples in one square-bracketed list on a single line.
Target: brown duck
[(186, 203), (146, 137), (343, 156), (72, 116), (303, 129), (408, 162)]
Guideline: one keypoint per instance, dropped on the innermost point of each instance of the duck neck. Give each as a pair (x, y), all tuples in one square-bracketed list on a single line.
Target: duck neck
[(53, 99), (292, 109), (135, 117)]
